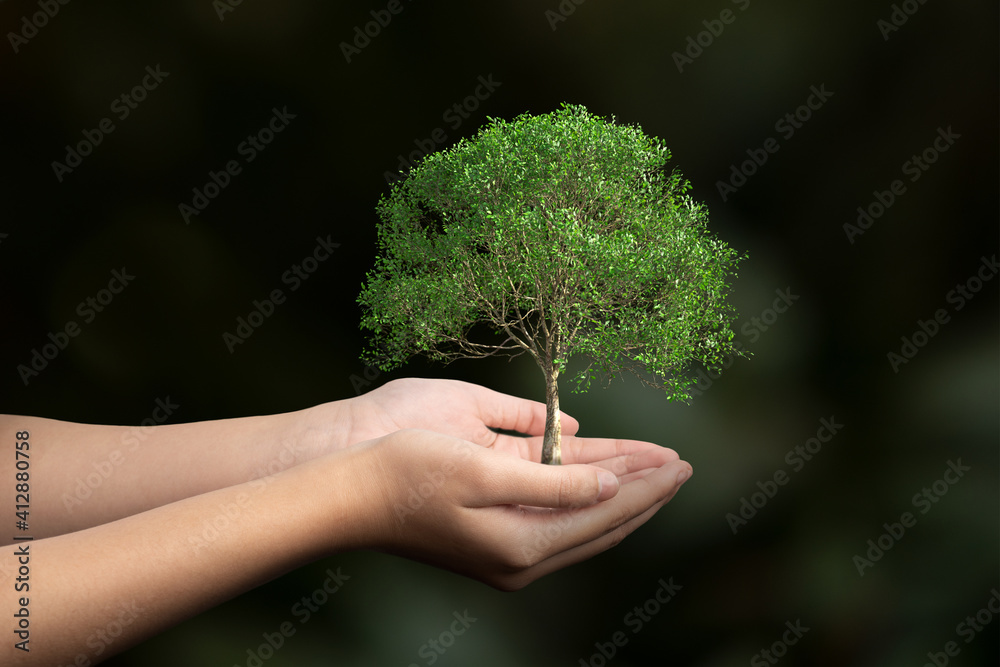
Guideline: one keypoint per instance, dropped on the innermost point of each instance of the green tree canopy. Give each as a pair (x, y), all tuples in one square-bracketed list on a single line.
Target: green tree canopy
[(563, 233)]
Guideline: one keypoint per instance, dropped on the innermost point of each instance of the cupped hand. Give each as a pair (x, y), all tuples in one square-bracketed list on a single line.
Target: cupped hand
[(471, 412), (504, 520), (456, 408)]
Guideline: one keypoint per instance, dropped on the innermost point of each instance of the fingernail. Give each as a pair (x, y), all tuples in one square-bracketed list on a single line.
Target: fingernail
[(607, 480), (683, 476)]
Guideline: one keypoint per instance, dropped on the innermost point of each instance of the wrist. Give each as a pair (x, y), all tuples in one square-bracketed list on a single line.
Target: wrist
[(336, 505), (313, 432)]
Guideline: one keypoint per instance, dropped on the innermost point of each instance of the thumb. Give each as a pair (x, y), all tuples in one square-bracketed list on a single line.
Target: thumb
[(518, 482)]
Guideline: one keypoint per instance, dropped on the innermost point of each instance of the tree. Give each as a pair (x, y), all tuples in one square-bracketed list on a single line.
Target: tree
[(551, 235)]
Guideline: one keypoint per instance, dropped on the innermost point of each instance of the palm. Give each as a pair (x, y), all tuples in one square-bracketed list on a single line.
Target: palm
[(472, 412), (451, 407)]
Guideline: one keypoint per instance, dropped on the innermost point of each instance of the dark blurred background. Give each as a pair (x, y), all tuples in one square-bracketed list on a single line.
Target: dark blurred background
[(890, 90)]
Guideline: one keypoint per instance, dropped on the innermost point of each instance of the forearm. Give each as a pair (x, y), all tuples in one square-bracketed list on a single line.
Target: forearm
[(83, 475), (147, 572)]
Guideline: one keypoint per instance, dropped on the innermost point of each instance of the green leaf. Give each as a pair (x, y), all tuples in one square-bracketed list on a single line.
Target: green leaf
[(566, 232)]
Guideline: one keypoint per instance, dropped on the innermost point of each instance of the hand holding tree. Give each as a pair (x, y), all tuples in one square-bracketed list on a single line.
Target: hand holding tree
[(174, 535), (460, 409), (503, 519), (551, 235)]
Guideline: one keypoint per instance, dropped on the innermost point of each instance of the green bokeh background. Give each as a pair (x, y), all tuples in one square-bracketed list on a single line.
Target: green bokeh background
[(825, 357)]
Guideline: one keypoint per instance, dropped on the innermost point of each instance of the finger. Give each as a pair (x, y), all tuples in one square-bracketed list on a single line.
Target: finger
[(641, 460), (632, 476), (588, 550), (592, 450), (606, 537), (587, 524), (505, 480), (511, 413)]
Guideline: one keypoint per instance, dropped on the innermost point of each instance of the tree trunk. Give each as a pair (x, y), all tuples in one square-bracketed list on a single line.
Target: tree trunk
[(551, 445)]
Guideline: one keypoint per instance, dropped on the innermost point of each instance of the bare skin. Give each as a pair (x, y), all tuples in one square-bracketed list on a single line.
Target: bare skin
[(195, 514)]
